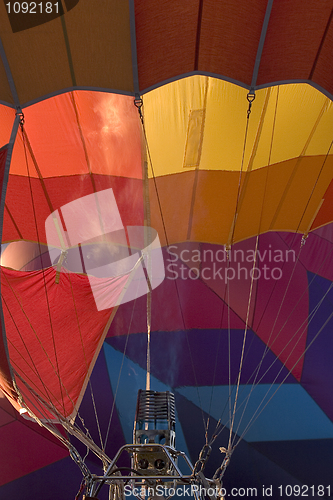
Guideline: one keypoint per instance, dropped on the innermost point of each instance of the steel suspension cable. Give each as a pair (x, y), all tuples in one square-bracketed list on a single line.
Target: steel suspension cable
[(266, 347), (230, 445)]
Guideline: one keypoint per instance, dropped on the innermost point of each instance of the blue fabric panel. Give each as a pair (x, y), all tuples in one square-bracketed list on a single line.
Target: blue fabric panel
[(290, 414), (103, 399), (130, 377), (248, 468)]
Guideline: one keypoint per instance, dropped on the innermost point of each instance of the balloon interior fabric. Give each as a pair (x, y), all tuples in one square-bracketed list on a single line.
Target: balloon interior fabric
[(208, 126)]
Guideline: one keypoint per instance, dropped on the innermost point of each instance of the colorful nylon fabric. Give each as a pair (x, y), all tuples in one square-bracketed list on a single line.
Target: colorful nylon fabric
[(241, 196)]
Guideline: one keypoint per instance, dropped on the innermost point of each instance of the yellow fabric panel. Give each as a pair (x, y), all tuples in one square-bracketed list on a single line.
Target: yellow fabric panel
[(296, 129), (285, 122), (323, 135), (224, 127), (166, 113)]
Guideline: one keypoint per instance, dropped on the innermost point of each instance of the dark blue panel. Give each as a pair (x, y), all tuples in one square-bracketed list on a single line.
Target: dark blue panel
[(200, 357), (59, 481), (309, 461), (317, 373), (248, 468)]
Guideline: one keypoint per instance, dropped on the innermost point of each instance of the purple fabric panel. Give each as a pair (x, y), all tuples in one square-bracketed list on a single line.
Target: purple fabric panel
[(317, 374), (200, 357), (325, 232), (177, 304)]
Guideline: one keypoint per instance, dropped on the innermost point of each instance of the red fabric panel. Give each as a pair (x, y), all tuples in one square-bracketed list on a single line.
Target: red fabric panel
[(230, 34), (293, 38), (7, 412), (62, 190), (282, 305), (322, 72), (166, 39), (325, 214), (5, 376), (53, 331), (318, 254)]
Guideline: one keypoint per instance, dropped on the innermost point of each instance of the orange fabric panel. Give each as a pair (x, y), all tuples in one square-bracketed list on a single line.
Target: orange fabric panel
[(166, 39), (297, 202), (230, 34), (214, 207), (281, 197), (107, 140), (293, 38), (174, 197), (6, 124)]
